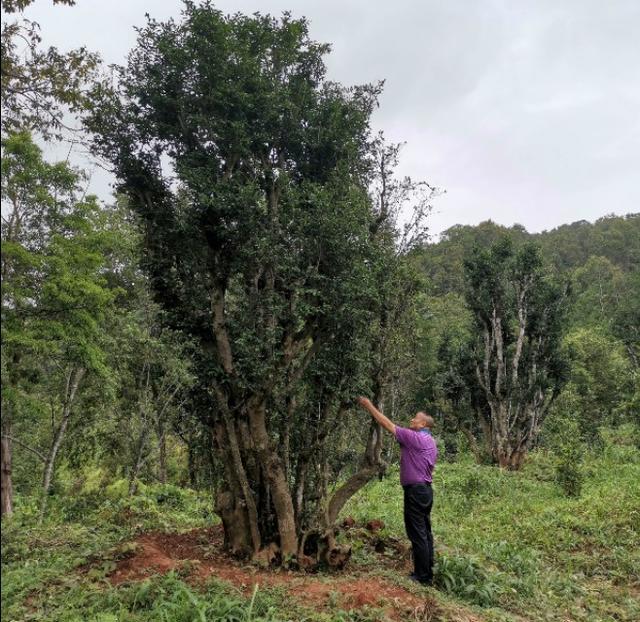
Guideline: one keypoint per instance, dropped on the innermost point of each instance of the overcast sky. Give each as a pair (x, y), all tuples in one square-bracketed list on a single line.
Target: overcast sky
[(525, 111)]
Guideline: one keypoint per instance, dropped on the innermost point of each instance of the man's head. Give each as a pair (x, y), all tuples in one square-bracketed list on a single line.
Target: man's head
[(421, 420)]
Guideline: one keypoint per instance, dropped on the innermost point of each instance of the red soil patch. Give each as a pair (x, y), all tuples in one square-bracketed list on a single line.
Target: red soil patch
[(148, 560), (198, 555)]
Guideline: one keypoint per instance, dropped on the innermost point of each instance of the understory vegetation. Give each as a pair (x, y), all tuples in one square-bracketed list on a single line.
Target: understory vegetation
[(515, 542), (508, 544)]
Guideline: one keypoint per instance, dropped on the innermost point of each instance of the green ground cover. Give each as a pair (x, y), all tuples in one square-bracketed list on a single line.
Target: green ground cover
[(511, 546), (514, 543)]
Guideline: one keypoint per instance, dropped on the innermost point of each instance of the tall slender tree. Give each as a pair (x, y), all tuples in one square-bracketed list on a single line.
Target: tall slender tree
[(54, 292)]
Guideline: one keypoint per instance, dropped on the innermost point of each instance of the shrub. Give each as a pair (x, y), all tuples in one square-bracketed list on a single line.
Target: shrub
[(621, 443), (564, 439), (569, 475)]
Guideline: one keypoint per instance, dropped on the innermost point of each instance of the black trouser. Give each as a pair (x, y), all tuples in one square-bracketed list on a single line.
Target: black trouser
[(418, 501)]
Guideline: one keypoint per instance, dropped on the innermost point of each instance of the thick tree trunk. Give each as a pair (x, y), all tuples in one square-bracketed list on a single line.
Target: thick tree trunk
[(7, 484), (274, 471), (348, 489), (372, 465), (511, 459), (257, 505), (51, 458), (318, 543), (236, 523), (510, 374), (236, 504), (507, 446), (301, 481)]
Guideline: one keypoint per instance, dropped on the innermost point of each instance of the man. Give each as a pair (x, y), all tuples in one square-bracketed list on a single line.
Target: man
[(418, 454)]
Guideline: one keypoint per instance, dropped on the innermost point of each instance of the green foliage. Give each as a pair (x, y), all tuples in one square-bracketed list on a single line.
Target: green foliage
[(54, 293), (621, 443), (276, 206), (517, 547), (40, 85), (166, 598), (515, 367), (40, 578), (444, 262), (172, 600), (626, 319), (600, 375), (267, 251), (55, 299), (567, 247), (538, 550), (565, 437), (466, 578), (154, 506), (569, 475), (602, 260), (597, 286), (615, 238)]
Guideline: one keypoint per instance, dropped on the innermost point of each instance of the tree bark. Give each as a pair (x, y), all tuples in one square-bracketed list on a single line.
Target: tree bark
[(7, 484), (139, 461), (74, 377), (162, 452), (371, 465), (274, 471), (228, 441)]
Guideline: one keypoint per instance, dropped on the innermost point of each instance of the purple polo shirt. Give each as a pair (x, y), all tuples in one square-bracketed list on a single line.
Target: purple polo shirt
[(418, 455)]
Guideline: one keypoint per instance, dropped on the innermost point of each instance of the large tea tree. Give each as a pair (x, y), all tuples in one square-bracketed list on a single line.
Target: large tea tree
[(250, 172), (518, 312)]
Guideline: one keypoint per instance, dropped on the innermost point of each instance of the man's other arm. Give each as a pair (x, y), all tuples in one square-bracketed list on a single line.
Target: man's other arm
[(385, 422)]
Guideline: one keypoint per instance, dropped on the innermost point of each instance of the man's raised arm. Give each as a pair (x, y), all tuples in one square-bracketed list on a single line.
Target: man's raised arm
[(385, 422)]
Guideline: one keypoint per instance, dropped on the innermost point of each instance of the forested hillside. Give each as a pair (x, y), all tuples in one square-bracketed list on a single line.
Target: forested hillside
[(566, 248), (596, 266), (180, 363)]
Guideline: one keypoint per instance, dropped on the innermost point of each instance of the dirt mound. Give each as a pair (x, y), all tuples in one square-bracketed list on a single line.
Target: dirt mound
[(150, 560), (198, 554)]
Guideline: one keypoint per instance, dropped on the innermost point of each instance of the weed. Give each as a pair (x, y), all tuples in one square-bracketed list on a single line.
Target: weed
[(465, 577)]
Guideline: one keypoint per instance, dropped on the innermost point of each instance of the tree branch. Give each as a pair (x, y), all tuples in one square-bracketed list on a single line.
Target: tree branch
[(34, 451)]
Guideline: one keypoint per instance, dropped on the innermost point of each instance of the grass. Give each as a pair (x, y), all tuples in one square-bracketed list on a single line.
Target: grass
[(514, 544), (39, 582), (510, 546)]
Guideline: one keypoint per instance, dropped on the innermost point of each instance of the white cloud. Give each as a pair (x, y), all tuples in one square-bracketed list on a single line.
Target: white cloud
[(524, 111)]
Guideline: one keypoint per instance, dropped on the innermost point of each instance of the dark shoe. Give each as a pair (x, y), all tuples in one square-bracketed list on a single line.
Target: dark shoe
[(414, 577)]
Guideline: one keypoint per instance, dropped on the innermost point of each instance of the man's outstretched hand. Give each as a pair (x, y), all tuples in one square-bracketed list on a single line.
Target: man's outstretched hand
[(366, 403)]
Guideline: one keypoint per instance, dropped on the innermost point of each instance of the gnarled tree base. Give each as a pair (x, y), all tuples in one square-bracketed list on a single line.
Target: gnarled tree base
[(317, 549), (322, 549), (512, 461), (237, 538)]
